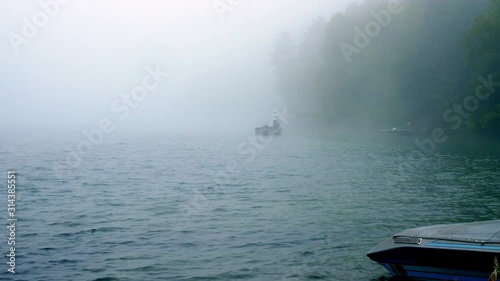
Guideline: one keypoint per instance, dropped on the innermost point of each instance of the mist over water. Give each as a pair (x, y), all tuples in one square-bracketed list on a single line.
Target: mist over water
[(131, 128), (65, 73)]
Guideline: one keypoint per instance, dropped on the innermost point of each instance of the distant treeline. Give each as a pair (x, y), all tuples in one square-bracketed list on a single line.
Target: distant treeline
[(389, 63)]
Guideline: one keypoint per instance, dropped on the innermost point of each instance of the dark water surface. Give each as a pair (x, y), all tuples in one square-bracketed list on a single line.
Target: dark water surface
[(224, 208)]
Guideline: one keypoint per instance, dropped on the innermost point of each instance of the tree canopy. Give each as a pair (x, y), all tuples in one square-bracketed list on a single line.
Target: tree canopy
[(386, 63)]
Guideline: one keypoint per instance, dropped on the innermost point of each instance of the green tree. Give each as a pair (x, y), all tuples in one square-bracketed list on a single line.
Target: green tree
[(483, 55)]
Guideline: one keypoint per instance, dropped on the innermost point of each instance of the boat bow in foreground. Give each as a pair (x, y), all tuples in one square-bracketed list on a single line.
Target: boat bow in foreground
[(459, 252)]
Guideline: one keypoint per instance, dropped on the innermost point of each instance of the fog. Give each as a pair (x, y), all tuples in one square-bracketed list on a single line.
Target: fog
[(70, 70)]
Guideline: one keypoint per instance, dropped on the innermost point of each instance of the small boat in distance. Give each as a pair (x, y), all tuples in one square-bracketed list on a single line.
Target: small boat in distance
[(403, 132), (274, 130), (461, 252), (268, 131)]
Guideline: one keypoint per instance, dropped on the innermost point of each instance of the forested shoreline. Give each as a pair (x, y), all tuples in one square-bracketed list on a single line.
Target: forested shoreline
[(382, 63)]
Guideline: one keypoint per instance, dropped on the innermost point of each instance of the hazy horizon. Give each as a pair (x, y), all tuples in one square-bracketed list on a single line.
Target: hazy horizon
[(74, 70)]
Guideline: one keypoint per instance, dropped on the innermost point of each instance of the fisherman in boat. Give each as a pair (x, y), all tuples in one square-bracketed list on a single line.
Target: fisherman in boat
[(275, 120)]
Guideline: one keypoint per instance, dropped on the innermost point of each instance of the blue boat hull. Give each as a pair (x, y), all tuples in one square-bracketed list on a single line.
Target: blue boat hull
[(459, 252), (435, 264)]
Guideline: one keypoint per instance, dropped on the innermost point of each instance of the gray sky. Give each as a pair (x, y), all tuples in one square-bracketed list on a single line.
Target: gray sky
[(67, 74)]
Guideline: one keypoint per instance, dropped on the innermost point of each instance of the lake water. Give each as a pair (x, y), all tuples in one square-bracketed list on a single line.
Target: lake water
[(296, 207)]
